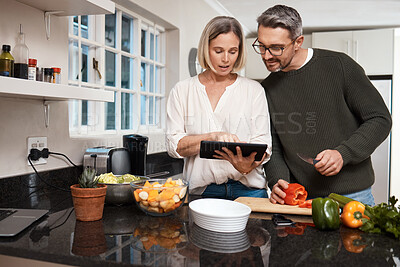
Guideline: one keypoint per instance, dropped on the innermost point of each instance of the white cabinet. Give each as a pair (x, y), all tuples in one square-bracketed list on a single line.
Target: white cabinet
[(336, 41), (372, 49)]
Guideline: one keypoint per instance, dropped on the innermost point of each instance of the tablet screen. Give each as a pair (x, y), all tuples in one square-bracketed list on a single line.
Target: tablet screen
[(207, 149)]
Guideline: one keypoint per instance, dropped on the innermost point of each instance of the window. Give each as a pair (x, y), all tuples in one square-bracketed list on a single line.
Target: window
[(123, 53)]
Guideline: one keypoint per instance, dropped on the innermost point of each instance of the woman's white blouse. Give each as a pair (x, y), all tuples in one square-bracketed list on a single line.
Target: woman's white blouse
[(242, 110)]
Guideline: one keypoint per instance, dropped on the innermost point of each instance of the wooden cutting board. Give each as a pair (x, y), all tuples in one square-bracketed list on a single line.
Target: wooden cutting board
[(264, 205)]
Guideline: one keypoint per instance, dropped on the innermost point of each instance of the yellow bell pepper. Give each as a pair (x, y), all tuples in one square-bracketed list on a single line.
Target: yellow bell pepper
[(352, 214)]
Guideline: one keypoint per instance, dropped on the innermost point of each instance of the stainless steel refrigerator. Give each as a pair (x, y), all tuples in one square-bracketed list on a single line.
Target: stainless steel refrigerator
[(381, 156)]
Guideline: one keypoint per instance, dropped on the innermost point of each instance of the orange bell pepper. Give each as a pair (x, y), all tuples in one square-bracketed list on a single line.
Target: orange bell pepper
[(352, 241), (295, 194), (352, 214)]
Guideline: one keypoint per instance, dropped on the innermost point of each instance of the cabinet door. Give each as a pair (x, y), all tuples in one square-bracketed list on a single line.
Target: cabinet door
[(336, 41), (373, 50)]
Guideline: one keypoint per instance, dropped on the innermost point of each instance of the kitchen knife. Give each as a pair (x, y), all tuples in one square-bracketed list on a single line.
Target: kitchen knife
[(307, 159), (153, 175)]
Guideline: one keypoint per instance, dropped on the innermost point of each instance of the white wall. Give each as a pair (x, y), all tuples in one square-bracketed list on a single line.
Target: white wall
[(20, 118)]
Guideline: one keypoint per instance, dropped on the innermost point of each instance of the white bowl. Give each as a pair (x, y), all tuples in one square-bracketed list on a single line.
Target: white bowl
[(219, 208), (219, 242), (219, 215)]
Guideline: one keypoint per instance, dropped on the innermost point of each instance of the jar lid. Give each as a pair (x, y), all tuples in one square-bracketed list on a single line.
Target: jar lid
[(6, 48), (32, 61), (56, 69)]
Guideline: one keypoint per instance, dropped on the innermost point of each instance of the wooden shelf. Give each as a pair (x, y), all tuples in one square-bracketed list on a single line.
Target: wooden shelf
[(20, 88), (73, 8)]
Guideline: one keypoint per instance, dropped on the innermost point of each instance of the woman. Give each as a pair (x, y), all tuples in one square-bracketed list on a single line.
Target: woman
[(219, 105)]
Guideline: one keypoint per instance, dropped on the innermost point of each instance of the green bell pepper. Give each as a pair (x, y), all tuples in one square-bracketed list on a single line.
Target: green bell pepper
[(325, 213)]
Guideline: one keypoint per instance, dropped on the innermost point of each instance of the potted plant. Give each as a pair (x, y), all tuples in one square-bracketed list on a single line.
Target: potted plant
[(88, 196)]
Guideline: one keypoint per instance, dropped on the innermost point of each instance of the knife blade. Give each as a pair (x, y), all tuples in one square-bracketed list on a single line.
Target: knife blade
[(153, 175), (307, 159)]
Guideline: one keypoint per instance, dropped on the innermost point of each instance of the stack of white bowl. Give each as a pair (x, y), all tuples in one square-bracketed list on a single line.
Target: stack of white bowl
[(219, 215), (219, 242)]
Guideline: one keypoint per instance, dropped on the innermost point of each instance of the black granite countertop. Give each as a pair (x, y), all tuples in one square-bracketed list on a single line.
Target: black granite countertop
[(126, 236)]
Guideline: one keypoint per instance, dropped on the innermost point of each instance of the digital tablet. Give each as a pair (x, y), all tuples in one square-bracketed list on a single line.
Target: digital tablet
[(207, 149)]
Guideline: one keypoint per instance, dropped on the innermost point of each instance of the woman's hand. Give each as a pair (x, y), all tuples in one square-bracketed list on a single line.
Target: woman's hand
[(223, 137), (190, 145), (242, 164)]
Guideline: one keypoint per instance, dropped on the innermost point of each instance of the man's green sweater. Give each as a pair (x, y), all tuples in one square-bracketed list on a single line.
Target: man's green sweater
[(329, 103)]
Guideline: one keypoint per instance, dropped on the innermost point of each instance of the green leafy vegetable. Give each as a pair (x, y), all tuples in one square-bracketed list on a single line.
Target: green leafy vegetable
[(384, 218), (110, 178), (129, 178)]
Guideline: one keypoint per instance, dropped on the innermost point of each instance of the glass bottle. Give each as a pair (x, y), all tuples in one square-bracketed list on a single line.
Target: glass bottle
[(6, 62), (21, 55)]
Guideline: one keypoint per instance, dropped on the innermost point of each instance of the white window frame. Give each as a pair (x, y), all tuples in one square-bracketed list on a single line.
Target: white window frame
[(96, 110)]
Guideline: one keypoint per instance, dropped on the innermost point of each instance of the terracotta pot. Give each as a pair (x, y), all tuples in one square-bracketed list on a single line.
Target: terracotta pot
[(88, 202), (89, 238)]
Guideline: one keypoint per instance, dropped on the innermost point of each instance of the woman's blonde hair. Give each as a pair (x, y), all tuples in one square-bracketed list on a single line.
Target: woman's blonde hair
[(216, 26)]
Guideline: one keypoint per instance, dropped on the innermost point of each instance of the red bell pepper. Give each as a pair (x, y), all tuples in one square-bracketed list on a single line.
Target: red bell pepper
[(297, 229), (295, 194), (306, 204)]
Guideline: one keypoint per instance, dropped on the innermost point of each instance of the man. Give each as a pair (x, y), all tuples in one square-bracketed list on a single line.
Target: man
[(322, 105)]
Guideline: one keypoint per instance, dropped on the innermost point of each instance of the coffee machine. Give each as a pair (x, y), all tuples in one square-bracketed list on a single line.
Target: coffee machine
[(137, 148)]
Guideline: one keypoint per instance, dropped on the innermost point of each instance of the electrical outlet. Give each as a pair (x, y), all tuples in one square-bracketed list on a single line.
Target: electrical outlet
[(38, 143)]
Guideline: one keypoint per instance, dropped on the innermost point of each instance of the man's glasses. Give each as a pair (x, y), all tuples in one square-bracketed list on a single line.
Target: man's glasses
[(273, 50)]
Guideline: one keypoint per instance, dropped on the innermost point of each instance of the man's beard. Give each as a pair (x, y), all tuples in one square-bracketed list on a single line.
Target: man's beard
[(278, 69), (280, 65)]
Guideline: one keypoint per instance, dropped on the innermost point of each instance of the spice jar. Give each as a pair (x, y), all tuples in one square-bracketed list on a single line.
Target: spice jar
[(39, 74), (48, 75), (56, 75), (32, 69)]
